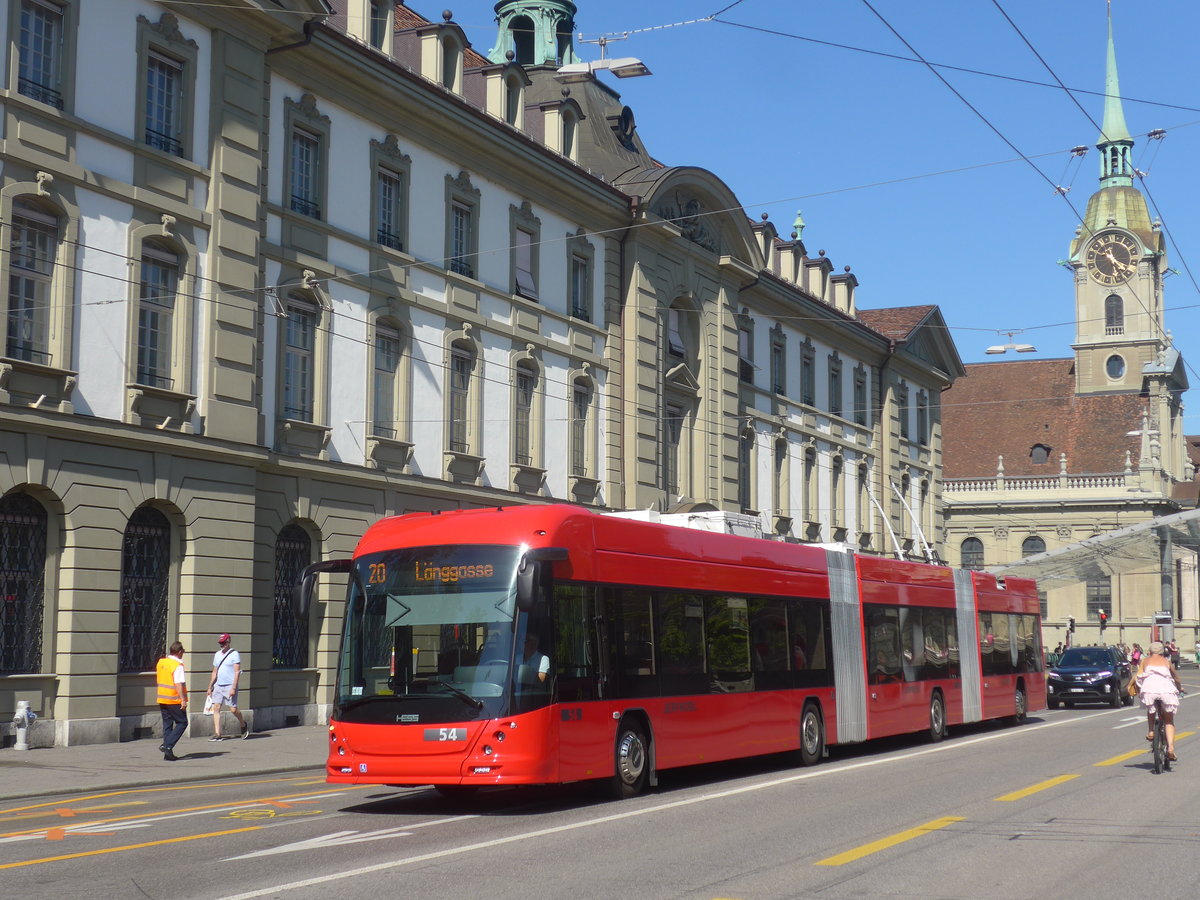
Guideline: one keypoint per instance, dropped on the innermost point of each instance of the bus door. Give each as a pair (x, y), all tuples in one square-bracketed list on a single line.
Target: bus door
[(893, 693), (585, 730)]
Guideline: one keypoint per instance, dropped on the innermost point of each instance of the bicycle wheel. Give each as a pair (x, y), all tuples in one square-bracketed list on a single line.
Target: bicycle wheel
[(1159, 746)]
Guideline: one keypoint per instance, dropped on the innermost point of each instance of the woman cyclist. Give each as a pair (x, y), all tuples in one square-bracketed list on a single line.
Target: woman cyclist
[(1158, 681)]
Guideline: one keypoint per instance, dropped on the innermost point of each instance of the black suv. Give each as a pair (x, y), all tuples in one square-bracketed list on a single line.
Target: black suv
[(1089, 675)]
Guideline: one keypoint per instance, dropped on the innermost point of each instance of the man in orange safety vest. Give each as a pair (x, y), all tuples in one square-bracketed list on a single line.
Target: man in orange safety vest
[(172, 699)]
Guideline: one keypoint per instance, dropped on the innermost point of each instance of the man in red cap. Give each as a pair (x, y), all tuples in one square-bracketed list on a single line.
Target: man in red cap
[(223, 685)]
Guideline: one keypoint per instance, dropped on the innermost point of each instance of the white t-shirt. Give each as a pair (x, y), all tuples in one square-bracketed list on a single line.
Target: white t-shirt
[(223, 662)]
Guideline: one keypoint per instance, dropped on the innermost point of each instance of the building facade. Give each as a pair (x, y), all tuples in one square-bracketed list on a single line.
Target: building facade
[(328, 263), (1045, 453)]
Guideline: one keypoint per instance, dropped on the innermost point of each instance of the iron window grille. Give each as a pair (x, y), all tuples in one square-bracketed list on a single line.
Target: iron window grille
[(22, 583), (289, 648), (145, 572)]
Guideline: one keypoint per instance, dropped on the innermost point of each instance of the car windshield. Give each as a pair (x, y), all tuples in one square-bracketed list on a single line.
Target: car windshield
[(1085, 658)]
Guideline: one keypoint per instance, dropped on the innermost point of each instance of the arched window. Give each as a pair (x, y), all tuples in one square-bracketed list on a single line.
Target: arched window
[(145, 577), (385, 384), (1114, 315), (34, 248), (293, 551), (22, 583), (521, 29), (1039, 454), (1032, 545), (157, 293), (581, 408), (525, 384), (972, 553)]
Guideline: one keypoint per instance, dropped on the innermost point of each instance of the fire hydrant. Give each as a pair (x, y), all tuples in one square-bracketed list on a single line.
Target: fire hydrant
[(22, 720)]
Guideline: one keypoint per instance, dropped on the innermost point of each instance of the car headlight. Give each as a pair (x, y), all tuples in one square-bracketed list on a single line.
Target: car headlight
[(1105, 674)]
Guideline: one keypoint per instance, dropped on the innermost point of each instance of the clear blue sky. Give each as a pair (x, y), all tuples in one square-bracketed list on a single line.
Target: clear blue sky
[(791, 124)]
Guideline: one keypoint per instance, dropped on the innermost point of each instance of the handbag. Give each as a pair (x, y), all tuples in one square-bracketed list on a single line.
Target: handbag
[(1132, 690), (208, 705)]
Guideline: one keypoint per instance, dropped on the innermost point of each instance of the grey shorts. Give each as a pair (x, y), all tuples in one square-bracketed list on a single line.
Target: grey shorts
[(224, 695)]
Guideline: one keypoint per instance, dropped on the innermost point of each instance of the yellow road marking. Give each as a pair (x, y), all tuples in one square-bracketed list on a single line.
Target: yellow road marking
[(267, 801), (1025, 792), (1122, 758), (192, 837), (882, 844), (199, 786)]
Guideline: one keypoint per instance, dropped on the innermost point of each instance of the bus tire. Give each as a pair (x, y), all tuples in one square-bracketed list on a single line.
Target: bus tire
[(937, 718), (812, 735), (631, 760), (1020, 705)]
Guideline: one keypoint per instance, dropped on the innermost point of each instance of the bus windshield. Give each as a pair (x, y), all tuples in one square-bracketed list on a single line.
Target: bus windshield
[(429, 635)]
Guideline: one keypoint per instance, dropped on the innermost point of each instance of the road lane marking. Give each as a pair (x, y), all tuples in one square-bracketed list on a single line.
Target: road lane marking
[(884, 843), (207, 785), (1033, 789), (178, 840), (152, 817), (340, 838), (1124, 757)]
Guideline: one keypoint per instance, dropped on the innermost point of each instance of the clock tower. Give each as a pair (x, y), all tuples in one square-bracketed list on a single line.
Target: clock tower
[(1119, 259)]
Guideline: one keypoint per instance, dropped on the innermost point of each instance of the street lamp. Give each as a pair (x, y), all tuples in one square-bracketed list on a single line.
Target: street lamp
[(623, 67), (997, 349)]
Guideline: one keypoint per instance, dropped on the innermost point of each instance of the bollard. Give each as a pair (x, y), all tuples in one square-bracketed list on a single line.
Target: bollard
[(23, 719)]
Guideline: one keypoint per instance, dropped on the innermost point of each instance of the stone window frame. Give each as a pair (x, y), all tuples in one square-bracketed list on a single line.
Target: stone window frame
[(42, 196), (810, 486), (164, 40), (778, 360), (903, 409), (836, 400), (387, 158), (582, 440), (745, 354), (465, 344), (781, 476), (808, 373), (1114, 315), (837, 498), (580, 292), (514, 100), (171, 606), (450, 62), (65, 65), (862, 397), (306, 292), (461, 193), (179, 241), (746, 463), (527, 362), (863, 504), (390, 314), (523, 223), (971, 553), (923, 418), (304, 117), (569, 119), (42, 549), (386, 24)]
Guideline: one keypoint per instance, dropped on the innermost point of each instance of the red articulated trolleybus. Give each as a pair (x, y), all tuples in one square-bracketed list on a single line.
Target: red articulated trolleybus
[(550, 644)]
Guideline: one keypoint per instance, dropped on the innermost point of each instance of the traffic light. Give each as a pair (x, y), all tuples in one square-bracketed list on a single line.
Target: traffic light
[(1071, 624), (1103, 620)]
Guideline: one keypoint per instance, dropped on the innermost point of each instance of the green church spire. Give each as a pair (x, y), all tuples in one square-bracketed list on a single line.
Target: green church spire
[(1115, 143)]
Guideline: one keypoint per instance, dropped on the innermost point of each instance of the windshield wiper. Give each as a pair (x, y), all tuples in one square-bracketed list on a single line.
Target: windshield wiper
[(460, 694)]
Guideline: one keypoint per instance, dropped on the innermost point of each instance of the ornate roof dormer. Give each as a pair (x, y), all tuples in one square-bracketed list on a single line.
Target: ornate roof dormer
[(537, 31)]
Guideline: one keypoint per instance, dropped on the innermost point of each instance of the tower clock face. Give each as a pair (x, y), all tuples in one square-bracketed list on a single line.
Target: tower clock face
[(1112, 258)]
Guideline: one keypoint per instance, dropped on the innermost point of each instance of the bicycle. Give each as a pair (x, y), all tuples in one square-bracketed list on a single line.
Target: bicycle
[(1159, 745)]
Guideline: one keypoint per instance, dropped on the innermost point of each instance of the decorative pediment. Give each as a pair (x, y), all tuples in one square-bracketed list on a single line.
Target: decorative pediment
[(687, 213), (390, 148), (681, 378), (167, 28)]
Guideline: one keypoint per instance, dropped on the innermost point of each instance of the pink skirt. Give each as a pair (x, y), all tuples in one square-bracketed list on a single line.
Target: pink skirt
[(1170, 701)]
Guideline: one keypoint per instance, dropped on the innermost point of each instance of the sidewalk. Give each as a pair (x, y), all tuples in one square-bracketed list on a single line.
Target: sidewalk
[(106, 767)]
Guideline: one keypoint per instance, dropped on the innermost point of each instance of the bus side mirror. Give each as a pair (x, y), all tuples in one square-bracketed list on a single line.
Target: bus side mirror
[(302, 595), (529, 574)]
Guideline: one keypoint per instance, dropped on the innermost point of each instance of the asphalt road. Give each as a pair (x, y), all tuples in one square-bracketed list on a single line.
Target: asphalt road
[(1064, 806)]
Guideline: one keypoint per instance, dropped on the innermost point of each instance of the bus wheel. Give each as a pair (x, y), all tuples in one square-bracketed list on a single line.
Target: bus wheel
[(937, 718), (1021, 706), (632, 761), (812, 735)]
